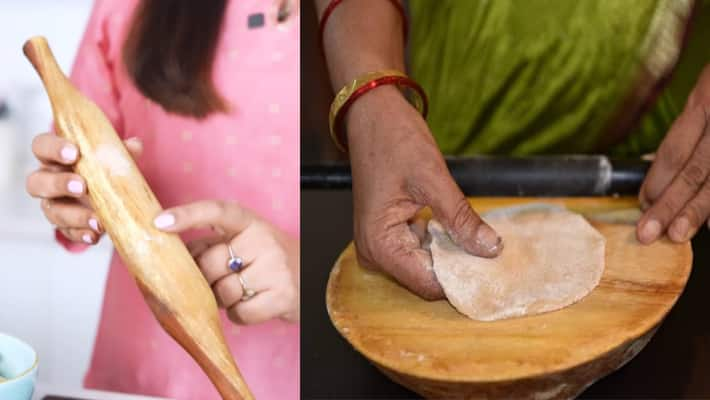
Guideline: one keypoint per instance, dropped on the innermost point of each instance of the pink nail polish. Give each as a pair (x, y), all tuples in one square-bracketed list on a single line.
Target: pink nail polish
[(94, 224), (69, 153), (87, 238), (75, 187), (164, 221)]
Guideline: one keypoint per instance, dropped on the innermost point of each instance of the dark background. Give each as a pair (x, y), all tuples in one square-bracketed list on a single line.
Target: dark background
[(316, 93)]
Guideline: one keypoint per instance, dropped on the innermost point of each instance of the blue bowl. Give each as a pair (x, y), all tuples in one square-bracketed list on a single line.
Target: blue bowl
[(18, 364)]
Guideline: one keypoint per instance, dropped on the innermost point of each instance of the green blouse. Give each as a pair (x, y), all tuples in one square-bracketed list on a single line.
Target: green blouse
[(555, 76)]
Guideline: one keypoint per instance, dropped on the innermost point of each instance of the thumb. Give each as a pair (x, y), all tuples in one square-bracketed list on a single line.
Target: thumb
[(464, 226), (134, 146)]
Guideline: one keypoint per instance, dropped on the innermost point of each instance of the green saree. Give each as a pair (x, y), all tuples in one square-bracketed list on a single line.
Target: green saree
[(556, 76)]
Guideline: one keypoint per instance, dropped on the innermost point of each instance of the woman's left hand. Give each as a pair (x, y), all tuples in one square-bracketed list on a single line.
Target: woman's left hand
[(675, 195), (270, 259)]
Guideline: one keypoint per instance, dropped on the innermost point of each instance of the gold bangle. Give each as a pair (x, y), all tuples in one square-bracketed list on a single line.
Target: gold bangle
[(363, 84)]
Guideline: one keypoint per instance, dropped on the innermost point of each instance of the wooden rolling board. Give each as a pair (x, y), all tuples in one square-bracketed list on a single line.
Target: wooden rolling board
[(432, 349)]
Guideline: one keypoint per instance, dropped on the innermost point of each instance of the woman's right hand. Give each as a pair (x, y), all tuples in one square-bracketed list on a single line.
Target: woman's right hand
[(397, 170), (63, 193)]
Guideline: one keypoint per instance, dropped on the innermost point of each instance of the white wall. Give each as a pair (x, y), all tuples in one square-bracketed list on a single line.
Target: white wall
[(48, 297)]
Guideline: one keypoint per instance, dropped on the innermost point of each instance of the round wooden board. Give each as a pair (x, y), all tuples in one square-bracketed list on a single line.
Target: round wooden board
[(432, 349)]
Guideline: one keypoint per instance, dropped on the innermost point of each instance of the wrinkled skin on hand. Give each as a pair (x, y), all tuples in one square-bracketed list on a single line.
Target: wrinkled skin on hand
[(675, 195), (398, 170)]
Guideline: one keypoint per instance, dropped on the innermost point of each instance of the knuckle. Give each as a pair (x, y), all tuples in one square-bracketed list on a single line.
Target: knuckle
[(365, 250), (694, 213), (674, 159), (214, 209), (285, 299), (379, 252), (693, 175), (37, 143), (280, 256), (290, 290), (220, 206), (463, 215), (668, 207)]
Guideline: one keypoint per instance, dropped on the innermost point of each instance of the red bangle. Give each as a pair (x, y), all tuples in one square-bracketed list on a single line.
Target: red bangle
[(335, 3), (350, 93)]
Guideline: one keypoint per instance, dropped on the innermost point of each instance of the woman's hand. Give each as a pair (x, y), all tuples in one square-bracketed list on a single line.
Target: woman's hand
[(676, 192), (63, 193), (270, 259), (398, 170)]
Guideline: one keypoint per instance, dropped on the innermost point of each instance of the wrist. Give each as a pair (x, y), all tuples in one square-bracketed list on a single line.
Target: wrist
[(382, 104)]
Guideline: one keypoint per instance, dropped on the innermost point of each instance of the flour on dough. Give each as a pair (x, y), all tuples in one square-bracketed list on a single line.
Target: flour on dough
[(552, 258)]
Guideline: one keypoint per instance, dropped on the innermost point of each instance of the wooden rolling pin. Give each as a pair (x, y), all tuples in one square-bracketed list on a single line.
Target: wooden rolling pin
[(171, 282)]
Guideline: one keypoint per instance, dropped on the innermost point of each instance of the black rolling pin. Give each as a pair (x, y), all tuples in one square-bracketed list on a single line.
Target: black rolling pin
[(551, 176)]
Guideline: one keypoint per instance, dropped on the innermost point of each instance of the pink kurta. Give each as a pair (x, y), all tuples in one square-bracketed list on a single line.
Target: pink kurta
[(249, 156)]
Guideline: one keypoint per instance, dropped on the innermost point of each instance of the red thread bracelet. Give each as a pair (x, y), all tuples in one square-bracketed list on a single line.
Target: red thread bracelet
[(335, 3), (421, 105)]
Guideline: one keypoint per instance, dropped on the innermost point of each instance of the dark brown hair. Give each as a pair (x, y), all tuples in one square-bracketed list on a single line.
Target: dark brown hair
[(169, 53)]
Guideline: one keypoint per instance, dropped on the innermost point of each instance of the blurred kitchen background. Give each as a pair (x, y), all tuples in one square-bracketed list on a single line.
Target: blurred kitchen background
[(48, 297)]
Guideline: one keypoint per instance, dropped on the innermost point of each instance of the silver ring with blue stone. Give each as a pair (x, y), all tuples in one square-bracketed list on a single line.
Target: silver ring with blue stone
[(234, 263)]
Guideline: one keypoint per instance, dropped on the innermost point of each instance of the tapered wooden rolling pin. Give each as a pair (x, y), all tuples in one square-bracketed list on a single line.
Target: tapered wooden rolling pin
[(171, 282)]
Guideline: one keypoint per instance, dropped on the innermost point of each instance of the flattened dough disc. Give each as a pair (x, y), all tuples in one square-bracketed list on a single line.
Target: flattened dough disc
[(552, 258)]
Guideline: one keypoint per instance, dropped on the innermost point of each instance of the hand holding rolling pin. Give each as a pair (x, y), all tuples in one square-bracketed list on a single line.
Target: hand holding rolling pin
[(260, 263), (675, 196), (63, 192)]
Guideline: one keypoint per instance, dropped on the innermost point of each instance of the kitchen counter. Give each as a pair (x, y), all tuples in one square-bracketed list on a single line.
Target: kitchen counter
[(675, 364)]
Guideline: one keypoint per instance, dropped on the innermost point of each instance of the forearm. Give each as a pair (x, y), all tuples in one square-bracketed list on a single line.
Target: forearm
[(361, 36)]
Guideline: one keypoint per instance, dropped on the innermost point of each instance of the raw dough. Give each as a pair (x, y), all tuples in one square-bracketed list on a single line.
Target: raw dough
[(551, 259)]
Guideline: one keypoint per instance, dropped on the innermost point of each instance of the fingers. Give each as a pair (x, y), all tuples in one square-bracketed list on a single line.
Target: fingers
[(464, 226), (676, 197), (47, 185), (197, 247), (275, 293), (257, 277), (83, 235), (70, 214), (672, 155), (693, 216), (399, 254), (262, 307), (50, 148), (223, 217), (213, 261)]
